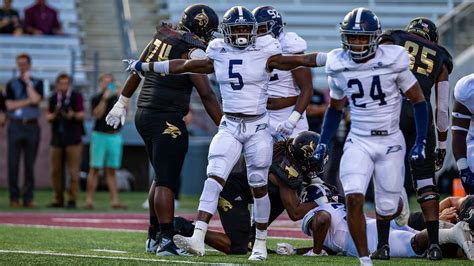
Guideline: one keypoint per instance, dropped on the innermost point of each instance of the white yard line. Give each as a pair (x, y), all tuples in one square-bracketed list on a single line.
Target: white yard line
[(109, 257)]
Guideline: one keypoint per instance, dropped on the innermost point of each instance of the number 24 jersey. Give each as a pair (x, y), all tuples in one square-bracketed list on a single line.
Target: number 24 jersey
[(372, 88), (241, 74)]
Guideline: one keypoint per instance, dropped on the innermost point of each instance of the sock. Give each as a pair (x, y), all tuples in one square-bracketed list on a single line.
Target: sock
[(433, 231), (365, 260), (167, 229), (383, 229), (200, 230), (261, 234), (153, 228)]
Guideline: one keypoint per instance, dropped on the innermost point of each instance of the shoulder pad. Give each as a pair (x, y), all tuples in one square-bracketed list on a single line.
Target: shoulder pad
[(464, 90), (394, 56), (336, 61), (268, 44), (291, 43), (448, 60), (214, 47), (193, 40)]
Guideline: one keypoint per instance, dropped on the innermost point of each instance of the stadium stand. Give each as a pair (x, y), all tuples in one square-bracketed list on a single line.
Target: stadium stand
[(50, 54)]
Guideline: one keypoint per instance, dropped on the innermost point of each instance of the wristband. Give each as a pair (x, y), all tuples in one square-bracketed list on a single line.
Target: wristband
[(321, 59), (294, 117), (442, 145), (160, 67), (462, 164), (123, 100)]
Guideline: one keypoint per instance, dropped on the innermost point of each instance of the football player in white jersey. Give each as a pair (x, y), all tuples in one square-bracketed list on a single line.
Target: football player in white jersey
[(289, 91), (371, 77), (463, 131), (327, 224), (242, 64)]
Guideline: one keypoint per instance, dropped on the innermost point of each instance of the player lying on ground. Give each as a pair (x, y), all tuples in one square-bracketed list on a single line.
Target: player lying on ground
[(328, 226)]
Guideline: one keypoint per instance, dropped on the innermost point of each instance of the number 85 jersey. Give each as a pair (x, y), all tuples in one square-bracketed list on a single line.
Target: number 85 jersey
[(372, 88), (241, 74)]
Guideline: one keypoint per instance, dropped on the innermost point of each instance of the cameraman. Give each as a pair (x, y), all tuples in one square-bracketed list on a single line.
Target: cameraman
[(106, 143), (66, 114)]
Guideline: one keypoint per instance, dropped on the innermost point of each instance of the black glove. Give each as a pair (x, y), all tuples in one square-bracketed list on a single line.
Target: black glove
[(440, 154)]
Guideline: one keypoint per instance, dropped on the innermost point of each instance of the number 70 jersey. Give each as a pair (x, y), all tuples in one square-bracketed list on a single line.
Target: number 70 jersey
[(372, 88), (241, 74)]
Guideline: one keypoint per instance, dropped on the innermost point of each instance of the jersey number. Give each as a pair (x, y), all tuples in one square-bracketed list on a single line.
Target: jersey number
[(235, 86), (376, 92), (413, 49)]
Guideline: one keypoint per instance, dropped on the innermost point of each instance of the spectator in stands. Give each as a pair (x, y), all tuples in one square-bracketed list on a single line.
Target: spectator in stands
[(316, 109), (3, 115), (106, 143), (23, 95), (9, 19), (66, 115), (41, 19)]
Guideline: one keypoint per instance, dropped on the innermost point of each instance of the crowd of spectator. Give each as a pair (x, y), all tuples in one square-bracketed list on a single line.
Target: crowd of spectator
[(39, 19)]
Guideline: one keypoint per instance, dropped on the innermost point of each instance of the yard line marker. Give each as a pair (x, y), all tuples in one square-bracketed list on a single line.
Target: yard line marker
[(110, 257)]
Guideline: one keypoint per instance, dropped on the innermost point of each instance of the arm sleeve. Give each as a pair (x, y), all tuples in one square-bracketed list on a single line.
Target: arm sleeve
[(442, 114), (334, 90), (405, 80)]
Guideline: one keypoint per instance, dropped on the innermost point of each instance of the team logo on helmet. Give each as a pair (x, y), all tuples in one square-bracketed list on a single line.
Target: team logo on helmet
[(202, 19), (309, 149)]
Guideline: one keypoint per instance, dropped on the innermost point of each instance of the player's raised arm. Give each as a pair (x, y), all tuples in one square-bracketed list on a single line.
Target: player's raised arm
[(289, 62), (176, 66)]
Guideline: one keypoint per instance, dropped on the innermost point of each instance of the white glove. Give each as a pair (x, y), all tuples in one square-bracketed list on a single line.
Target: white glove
[(286, 127), (310, 253), (117, 115), (134, 65), (285, 249)]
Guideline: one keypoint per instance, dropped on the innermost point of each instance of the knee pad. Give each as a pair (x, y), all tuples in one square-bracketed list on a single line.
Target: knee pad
[(387, 206), (261, 210), (210, 196), (219, 167), (427, 193), (257, 176)]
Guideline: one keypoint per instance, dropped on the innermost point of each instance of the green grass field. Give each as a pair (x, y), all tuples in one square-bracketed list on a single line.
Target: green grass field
[(23, 245)]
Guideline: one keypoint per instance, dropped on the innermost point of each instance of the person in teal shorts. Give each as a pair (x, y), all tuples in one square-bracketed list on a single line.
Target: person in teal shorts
[(105, 145)]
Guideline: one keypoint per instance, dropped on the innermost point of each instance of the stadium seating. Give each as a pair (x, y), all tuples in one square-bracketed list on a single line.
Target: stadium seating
[(317, 21), (50, 54)]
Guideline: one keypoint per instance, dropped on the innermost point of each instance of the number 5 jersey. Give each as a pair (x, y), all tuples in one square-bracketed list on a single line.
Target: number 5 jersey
[(242, 75)]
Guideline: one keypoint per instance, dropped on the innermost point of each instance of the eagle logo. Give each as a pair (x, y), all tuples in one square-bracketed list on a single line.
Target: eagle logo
[(308, 149), (292, 173), (172, 130), (202, 19), (224, 204)]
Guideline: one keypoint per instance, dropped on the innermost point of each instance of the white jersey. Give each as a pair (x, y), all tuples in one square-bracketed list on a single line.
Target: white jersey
[(338, 238), (241, 74), (373, 88), (281, 83), (464, 94)]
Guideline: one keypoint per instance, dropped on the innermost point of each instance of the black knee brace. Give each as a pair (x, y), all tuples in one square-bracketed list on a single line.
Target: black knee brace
[(427, 193)]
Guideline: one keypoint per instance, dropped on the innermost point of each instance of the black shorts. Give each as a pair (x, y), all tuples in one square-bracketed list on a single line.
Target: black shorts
[(407, 124), (166, 141)]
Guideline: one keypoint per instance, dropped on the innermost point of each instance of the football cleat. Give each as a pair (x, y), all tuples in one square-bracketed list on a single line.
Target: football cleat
[(434, 252), (382, 253), (151, 245), (190, 245), (259, 250), (168, 248)]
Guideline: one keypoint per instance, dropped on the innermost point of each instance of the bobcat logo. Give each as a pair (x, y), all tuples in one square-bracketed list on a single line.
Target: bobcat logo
[(224, 204), (202, 19), (292, 173), (308, 149), (172, 130)]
